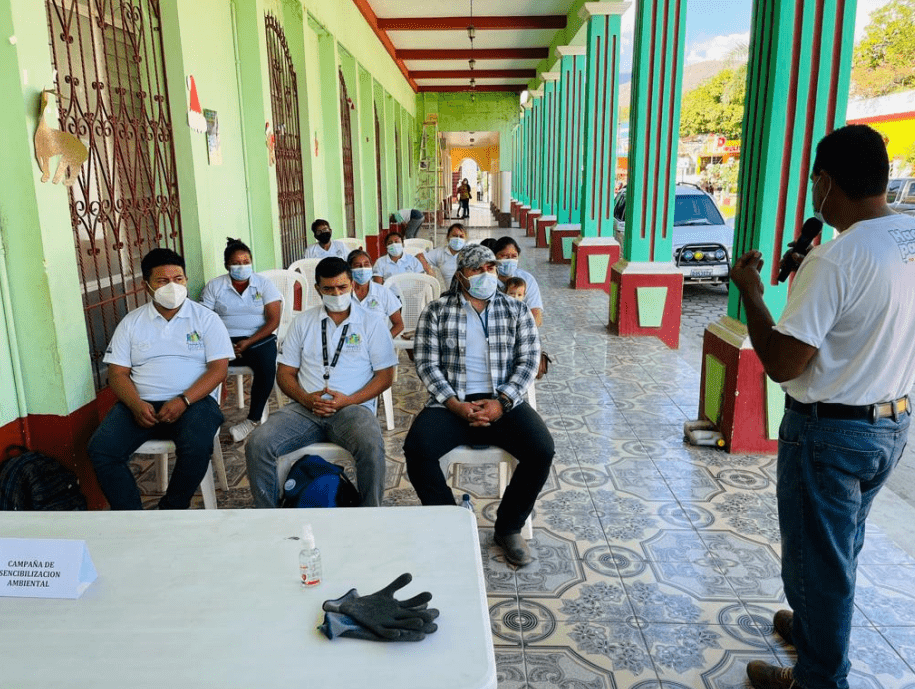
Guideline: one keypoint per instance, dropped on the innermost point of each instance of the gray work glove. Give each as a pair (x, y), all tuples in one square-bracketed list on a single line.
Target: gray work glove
[(380, 616)]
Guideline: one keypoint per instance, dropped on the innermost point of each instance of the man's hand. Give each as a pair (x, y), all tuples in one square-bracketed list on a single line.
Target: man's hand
[(315, 404), (171, 410), (745, 273), (485, 412), (336, 402), (240, 347), (144, 414), (463, 410), (792, 259)]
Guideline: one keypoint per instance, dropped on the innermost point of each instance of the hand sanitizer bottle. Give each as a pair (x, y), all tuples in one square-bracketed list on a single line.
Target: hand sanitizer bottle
[(309, 559)]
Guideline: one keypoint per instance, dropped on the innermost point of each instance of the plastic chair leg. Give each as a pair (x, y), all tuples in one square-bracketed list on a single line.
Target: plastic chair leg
[(162, 472), (240, 390), (208, 489), (219, 464), (388, 398)]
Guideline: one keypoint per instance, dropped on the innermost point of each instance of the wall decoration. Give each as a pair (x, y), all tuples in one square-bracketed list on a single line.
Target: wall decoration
[(271, 144), (214, 149), (195, 118), (53, 142)]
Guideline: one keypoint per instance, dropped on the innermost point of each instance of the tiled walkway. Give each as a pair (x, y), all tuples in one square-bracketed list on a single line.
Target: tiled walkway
[(657, 563)]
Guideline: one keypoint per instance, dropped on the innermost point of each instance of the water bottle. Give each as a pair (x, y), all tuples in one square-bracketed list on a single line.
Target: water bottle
[(465, 502)]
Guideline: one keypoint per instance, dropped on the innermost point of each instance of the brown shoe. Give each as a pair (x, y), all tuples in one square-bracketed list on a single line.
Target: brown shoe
[(515, 548), (765, 676), (783, 622)]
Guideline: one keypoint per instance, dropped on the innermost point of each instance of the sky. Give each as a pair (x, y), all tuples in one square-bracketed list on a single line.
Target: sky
[(715, 27)]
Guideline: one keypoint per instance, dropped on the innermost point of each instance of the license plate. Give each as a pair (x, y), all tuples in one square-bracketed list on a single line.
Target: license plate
[(701, 273)]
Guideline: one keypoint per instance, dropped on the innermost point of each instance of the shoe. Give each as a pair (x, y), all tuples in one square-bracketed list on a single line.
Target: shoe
[(782, 623), (515, 548), (765, 676), (241, 431)]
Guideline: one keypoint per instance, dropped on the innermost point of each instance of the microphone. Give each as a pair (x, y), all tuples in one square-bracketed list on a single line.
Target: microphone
[(812, 227)]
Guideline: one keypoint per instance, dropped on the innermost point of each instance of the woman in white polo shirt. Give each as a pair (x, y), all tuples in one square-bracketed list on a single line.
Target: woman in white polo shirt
[(396, 261), (372, 296), (250, 307), (445, 257)]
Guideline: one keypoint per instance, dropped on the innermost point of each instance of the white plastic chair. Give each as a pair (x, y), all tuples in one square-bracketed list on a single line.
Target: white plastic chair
[(306, 266), (160, 449), (285, 281), (465, 454), (415, 290), (328, 451), (240, 372), (417, 245), (351, 243)]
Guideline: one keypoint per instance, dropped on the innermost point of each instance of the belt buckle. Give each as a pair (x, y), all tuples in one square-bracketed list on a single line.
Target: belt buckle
[(875, 413)]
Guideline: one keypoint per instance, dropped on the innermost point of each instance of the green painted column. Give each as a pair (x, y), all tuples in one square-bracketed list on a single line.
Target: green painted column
[(549, 147), (526, 154), (516, 134), (654, 125), (536, 147), (600, 115), (797, 91), (571, 132)]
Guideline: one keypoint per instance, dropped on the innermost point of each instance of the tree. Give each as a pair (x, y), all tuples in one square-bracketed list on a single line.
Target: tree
[(716, 105), (722, 175), (882, 62)]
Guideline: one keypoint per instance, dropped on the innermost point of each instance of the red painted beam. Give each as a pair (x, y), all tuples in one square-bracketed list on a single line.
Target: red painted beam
[(461, 88), (369, 14), (475, 74), (466, 53), (491, 23)]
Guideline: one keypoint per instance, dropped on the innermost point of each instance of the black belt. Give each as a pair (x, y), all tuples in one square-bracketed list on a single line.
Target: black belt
[(867, 412)]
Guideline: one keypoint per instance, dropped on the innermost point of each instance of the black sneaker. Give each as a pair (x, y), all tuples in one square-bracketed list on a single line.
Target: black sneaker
[(515, 548)]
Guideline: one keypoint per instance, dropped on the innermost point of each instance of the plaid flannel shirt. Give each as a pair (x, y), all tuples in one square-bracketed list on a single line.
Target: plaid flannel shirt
[(440, 342)]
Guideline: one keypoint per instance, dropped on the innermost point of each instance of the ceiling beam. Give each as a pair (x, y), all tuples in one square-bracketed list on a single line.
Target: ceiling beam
[(459, 88), (473, 74), (480, 54), (492, 23), (369, 14)]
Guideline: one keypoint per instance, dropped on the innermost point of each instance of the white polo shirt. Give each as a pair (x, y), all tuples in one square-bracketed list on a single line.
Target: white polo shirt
[(854, 300), (532, 292), (476, 352), (380, 300), (385, 267), (337, 248), (445, 261), (166, 357), (242, 314), (368, 348)]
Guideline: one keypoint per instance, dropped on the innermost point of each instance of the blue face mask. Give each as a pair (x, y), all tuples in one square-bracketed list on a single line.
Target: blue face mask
[(456, 243), (482, 286), (241, 271), (362, 275), (395, 249), (507, 267)]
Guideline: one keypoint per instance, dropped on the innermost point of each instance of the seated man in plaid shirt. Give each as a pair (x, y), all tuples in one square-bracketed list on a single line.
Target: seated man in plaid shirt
[(477, 351)]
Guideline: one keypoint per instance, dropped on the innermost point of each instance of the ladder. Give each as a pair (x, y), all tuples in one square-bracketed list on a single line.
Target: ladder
[(430, 187)]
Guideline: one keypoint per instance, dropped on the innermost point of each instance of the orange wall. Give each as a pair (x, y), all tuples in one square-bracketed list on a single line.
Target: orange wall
[(487, 158)]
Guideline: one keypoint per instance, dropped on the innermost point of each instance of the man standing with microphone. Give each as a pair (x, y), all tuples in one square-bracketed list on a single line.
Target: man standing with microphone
[(843, 352)]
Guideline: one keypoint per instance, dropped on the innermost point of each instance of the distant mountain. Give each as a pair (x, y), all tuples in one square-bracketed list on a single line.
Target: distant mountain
[(693, 75)]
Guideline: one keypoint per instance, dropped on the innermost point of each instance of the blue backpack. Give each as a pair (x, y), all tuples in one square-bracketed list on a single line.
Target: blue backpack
[(315, 482)]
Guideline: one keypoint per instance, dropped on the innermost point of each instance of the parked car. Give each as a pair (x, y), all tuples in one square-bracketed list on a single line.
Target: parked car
[(900, 194), (702, 241)]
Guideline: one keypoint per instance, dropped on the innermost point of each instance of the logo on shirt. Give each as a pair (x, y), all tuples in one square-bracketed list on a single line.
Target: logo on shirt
[(258, 295), (194, 340), (353, 341), (373, 303), (905, 239)]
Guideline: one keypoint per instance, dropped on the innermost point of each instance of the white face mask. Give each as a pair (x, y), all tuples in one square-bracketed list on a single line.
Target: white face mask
[(170, 296), (507, 266), (241, 271), (395, 249), (482, 286), (337, 302), (362, 275), (456, 243), (818, 214)]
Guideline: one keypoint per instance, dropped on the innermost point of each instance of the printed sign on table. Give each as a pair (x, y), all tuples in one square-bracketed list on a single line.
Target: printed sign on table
[(44, 568)]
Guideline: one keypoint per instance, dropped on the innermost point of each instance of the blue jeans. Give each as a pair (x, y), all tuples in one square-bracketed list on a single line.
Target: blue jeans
[(354, 428), (829, 471), (119, 436), (413, 224)]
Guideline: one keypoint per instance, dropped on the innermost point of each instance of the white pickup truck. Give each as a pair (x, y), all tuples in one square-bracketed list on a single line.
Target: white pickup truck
[(702, 241)]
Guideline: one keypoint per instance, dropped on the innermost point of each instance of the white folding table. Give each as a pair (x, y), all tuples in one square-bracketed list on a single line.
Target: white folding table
[(212, 599)]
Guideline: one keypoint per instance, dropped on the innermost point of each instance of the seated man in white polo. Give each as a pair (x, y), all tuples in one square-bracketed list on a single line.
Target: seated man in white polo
[(165, 361), (337, 358), (323, 246)]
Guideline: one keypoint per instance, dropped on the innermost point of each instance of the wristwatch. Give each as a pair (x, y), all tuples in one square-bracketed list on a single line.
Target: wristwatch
[(506, 403)]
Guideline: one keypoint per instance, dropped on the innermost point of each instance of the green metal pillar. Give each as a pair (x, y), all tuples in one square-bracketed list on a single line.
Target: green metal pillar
[(601, 109), (571, 130), (646, 288), (549, 165), (797, 91)]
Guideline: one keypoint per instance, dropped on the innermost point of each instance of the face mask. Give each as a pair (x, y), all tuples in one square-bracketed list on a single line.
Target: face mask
[(170, 296), (818, 214), (337, 302), (456, 243), (241, 271), (323, 238), (395, 249), (507, 267), (482, 286), (362, 275)]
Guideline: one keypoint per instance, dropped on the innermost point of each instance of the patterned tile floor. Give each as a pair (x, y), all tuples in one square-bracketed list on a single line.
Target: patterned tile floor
[(657, 563)]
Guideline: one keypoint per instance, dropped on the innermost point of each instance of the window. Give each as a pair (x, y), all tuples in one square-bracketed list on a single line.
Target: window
[(696, 209)]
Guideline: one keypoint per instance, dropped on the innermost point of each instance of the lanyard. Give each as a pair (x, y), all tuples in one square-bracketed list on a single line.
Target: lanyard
[(333, 364)]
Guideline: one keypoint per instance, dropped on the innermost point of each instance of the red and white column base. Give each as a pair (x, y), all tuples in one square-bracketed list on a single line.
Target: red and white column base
[(646, 299), (591, 261), (735, 394)]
